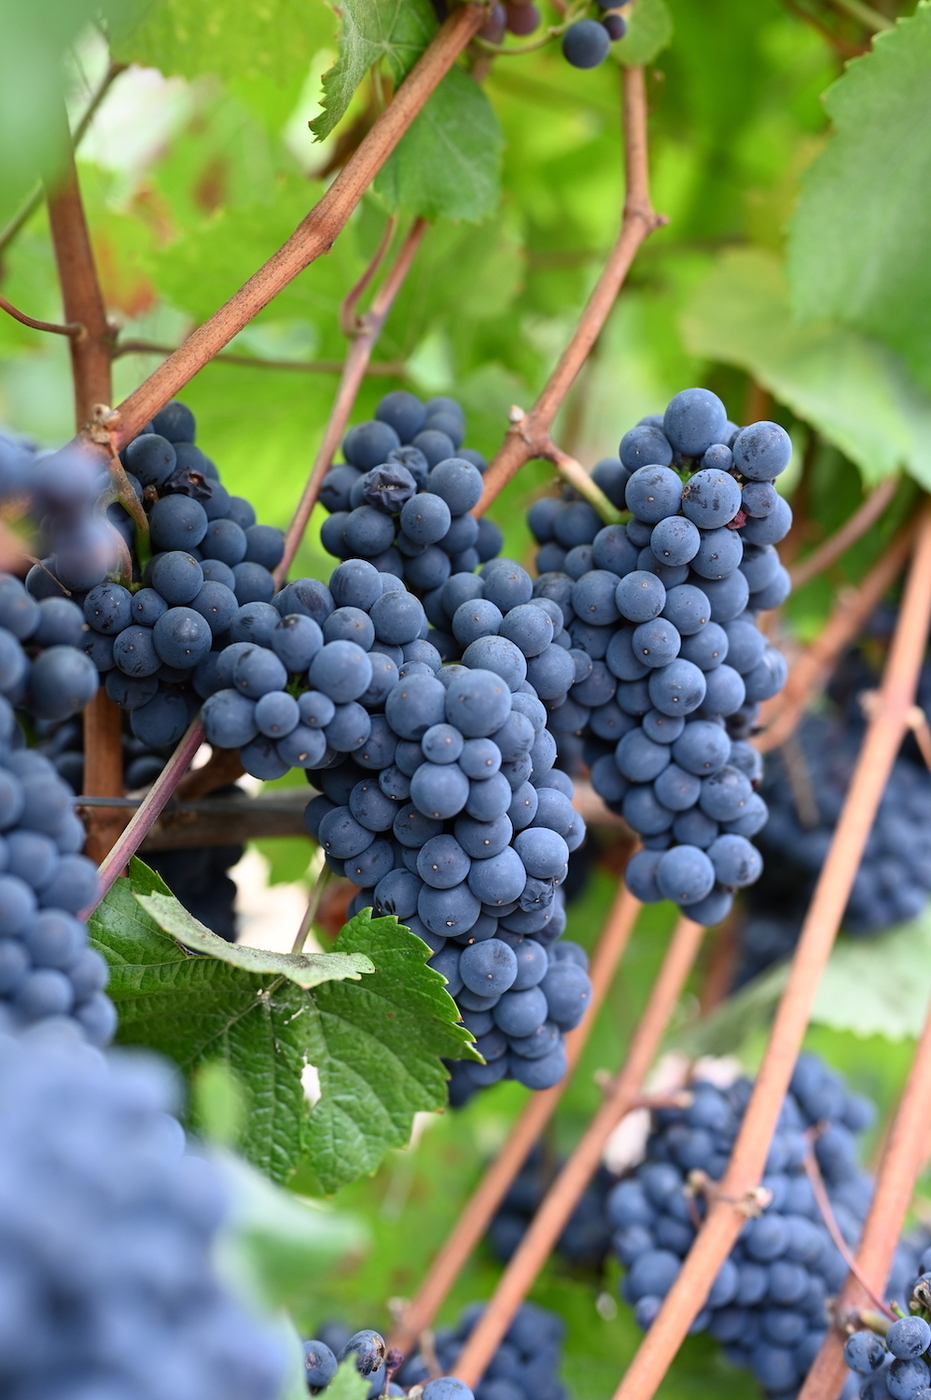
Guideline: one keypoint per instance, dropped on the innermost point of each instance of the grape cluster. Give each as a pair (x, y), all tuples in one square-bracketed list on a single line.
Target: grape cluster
[(107, 1230), (585, 42), (586, 1238), (210, 562), (403, 495), (766, 1305), (47, 971), (804, 791), (524, 1367), (897, 1366), (665, 608), (43, 669), (439, 798)]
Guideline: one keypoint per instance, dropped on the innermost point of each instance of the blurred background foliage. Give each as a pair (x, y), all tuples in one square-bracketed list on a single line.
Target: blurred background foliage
[(790, 278)]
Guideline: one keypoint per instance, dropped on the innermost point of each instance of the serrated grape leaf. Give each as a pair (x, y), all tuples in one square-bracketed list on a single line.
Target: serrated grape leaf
[(378, 1055), (377, 1047), (371, 30), (871, 986), (195, 1009), (649, 31), (277, 38), (306, 969), (859, 237), (448, 163), (854, 390)]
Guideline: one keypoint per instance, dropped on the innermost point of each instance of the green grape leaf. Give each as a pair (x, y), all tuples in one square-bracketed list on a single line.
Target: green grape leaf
[(347, 1384), (306, 969), (871, 986), (277, 38), (859, 237), (378, 1053), (371, 30), (448, 163), (649, 31), (851, 388)]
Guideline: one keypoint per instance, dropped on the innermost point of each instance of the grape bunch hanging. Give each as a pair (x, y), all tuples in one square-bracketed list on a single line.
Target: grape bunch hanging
[(768, 1305), (204, 561), (665, 608)]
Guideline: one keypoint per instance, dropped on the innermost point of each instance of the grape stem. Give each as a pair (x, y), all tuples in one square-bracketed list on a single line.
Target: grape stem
[(530, 437), (363, 331), (877, 754), (313, 905), (350, 323), (823, 1202), (553, 31), (102, 431), (566, 1191), (316, 233), (75, 328), (577, 477), (472, 1224)]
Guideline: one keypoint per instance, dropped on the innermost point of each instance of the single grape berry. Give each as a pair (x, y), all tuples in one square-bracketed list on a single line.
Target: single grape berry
[(585, 44)]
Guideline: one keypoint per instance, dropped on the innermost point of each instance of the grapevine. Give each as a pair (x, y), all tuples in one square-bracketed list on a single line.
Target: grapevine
[(378, 607)]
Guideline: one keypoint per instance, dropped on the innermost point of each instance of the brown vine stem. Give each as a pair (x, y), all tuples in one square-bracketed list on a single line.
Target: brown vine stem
[(529, 436), (473, 1221), (348, 319), (316, 233), (848, 534), (52, 327), (90, 367), (562, 1197), (387, 369), (364, 330), (29, 206), (901, 1162), (146, 815), (878, 752), (807, 674)]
